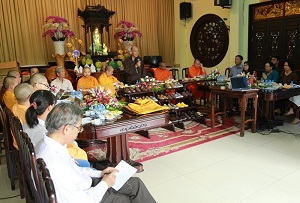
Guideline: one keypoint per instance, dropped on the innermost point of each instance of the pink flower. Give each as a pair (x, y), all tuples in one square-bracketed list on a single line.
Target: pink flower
[(127, 31), (57, 28)]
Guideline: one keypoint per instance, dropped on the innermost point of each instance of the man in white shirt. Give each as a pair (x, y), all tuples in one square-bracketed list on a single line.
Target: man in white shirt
[(73, 183), (60, 81)]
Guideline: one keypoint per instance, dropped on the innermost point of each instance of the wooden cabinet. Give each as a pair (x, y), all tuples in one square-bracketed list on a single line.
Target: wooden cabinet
[(274, 30)]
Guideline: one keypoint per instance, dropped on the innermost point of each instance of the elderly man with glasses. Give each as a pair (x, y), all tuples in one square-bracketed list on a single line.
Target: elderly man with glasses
[(73, 183)]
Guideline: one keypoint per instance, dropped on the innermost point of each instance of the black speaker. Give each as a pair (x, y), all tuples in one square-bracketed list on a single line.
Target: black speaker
[(223, 2), (185, 10)]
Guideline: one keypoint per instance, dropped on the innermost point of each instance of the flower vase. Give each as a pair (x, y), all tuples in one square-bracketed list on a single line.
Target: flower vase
[(127, 45), (59, 53), (59, 47)]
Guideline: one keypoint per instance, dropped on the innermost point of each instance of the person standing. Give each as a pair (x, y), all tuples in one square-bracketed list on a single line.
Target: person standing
[(134, 67), (275, 60)]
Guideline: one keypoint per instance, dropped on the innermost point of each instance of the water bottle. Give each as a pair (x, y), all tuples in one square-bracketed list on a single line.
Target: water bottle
[(292, 83), (80, 89), (262, 80)]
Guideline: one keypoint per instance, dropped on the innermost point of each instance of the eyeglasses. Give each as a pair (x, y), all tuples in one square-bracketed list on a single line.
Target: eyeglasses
[(80, 128), (46, 85)]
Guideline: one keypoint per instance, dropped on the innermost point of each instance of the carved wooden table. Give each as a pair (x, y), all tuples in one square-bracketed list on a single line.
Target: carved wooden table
[(243, 96), (116, 133), (269, 98)]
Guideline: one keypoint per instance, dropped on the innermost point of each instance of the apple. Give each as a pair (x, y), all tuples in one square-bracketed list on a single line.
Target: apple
[(89, 61)]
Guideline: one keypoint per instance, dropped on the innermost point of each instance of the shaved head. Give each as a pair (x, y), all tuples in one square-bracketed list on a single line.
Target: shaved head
[(33, 71), (16, 74), (10, 81), (23, 92), (39, 81), (108, 68)]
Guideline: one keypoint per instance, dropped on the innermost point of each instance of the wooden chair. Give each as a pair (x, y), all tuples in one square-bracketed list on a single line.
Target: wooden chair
[(227, 72), (48, 189), (175, 73), (185, 72), (16, 129), (11, 153)]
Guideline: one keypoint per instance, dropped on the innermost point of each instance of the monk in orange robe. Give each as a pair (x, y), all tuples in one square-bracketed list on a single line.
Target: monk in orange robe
[(162, 73), (9, 98), (108, 81), (196, 70), (22, 92), (87, 81)]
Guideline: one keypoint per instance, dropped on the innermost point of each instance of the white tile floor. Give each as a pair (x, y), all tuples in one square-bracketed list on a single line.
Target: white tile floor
[(253, 169)]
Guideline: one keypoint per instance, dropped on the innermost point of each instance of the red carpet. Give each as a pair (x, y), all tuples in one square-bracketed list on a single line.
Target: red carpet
[(164, 142)]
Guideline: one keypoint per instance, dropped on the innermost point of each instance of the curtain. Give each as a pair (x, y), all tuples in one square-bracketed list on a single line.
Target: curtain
[(21, 24)]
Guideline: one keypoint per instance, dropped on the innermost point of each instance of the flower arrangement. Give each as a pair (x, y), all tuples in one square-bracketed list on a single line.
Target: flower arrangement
[(152, 86), (252, 81), (57, 28), (99, 96), (214, 74), (54, 89), (126, 31)]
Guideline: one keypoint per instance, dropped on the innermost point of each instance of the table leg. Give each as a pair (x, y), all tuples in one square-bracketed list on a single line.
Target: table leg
[(117, 150), (254, 113), (224, 111), (243, 109), (212, 119)]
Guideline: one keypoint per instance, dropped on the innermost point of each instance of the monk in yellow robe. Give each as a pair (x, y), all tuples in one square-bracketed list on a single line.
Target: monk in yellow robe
[(87, 81), (196, 70), (108, 81), (22, 92), (9, 98), (162, 73)]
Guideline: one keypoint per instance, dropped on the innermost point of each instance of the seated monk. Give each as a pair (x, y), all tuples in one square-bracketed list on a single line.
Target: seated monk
[(87, 81), (9, 98), (22, 92), (162, 73), (39, 82), (108, 81), (12, 73), (196, 70)]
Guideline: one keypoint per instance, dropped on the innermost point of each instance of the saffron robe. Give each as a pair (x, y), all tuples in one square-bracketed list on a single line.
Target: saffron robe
[(108, 82), (9, 99), (162, 75), (87, 82), (194, 72)]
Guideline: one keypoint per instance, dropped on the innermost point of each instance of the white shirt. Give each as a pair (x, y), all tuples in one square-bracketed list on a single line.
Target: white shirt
[(65, 84), (72, 183), (36, 133)]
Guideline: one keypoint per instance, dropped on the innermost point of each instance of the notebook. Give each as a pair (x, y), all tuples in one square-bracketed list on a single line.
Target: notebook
[(239, 83)]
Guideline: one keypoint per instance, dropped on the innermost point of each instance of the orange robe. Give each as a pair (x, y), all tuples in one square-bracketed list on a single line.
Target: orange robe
[(192, 72), (87, 82), (9, 99), (19, 110), (76, 152), (162, 75), (108, 82)]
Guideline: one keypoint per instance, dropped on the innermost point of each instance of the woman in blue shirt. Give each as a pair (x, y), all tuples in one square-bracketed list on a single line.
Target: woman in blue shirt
[(270, 73)]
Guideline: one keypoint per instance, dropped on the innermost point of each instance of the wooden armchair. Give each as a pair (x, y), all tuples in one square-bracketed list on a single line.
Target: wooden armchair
[(11, 153), (227, 72), (175, 73), (185, 72), (47, 183)]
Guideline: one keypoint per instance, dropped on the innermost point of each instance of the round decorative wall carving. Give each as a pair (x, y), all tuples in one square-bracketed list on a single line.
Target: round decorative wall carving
[(209, 40)]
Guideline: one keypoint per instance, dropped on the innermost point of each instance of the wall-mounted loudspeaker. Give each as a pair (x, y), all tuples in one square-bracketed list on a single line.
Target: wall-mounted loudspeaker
[(223, 2), (185, 10)]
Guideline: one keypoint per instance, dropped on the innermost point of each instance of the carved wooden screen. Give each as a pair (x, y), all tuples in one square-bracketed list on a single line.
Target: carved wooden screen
[(209, 40), (274, 30)]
